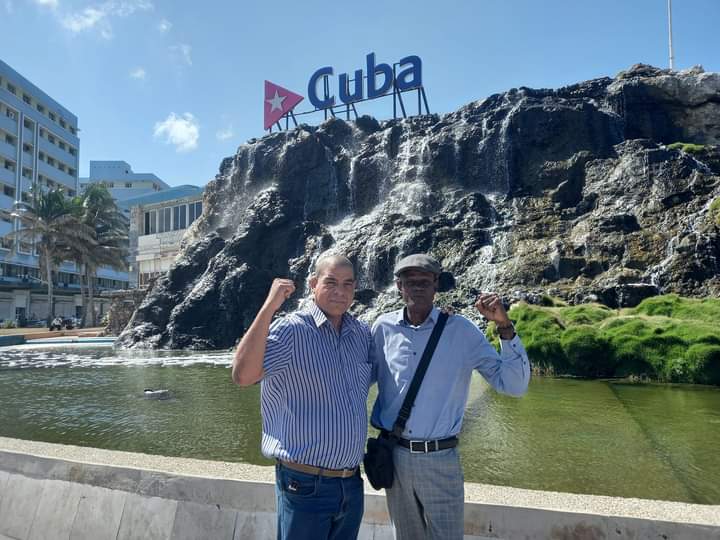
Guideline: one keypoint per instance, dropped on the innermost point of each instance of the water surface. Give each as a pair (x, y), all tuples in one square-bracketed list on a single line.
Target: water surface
[(607, 438)]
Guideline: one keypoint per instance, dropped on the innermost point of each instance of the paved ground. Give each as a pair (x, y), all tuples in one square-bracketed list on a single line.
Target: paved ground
[(29, 333)]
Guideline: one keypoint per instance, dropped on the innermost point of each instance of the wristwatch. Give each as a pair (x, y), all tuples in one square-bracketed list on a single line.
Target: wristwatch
[(510, 326)]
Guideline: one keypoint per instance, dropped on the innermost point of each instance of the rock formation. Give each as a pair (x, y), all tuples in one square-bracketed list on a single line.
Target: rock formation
[(577, 192)]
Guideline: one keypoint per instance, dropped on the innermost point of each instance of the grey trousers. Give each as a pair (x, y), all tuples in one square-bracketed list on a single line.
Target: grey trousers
[(427, 499)]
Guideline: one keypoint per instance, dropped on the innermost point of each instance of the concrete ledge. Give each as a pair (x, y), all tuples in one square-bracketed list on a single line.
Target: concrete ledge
[(52, 491)]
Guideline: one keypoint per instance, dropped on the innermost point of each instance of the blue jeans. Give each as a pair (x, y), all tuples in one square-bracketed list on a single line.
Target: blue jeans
[(317, 507)]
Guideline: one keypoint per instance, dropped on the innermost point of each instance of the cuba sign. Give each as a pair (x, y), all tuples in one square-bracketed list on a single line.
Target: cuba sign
[(410, 77), (374, 81)]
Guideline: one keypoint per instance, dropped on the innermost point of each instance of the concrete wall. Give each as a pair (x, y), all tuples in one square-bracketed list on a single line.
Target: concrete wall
[(46, 497)]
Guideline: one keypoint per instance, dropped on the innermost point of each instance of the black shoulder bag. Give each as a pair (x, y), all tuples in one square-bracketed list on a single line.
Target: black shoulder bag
[(378, 460)]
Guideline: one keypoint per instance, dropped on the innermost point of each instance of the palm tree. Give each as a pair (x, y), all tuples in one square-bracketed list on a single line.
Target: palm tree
[(50, 221), (96, 209)]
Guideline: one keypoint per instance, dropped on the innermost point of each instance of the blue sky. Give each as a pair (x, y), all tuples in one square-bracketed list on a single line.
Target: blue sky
[(172, 87)]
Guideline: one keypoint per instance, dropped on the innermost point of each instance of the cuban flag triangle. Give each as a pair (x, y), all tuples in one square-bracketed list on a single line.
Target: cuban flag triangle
[(278, 101)]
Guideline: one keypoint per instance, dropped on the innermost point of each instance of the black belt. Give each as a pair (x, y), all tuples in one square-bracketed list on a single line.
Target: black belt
[(424, 447)]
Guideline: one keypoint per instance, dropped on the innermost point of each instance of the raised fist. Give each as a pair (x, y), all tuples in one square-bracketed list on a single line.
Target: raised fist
[(280, 290), (490, 306)]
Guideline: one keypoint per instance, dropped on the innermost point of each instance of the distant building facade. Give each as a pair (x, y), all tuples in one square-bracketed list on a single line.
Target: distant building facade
[(39, 146), (121, 181), (158, 222)]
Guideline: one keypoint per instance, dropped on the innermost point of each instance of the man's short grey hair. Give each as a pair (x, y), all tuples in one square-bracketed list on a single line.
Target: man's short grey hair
[(326, 260)]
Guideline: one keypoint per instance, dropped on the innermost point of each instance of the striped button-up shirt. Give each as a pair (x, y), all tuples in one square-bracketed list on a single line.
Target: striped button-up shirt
[(440, 402), (314, 391)]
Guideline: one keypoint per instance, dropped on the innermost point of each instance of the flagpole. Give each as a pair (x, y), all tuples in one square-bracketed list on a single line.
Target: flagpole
[(670, 43)]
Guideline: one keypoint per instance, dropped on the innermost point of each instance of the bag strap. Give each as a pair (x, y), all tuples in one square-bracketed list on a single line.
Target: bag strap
[(409, 401)]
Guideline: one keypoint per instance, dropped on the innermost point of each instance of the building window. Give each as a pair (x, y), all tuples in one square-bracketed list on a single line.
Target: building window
[(10, 139), (195, 210), (72, 172), (25, 196), (150, 222), (10, 114), (8, 191), (63, 124), (40, 108), (164, 221), (28, 123), (11, 88), (27, 173), (179, 217), (53, 117), (27, 148), (9, 165), (72, 151), (128, 184)]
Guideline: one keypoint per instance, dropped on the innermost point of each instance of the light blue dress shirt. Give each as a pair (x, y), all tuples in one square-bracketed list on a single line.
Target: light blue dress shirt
[(440, 403)]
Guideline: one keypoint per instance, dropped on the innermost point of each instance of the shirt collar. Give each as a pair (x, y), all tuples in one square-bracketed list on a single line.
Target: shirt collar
[(432, 317), (348, 321)]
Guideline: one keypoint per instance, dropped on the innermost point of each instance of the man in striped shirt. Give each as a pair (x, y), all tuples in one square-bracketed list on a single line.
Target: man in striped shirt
[(315, 371)]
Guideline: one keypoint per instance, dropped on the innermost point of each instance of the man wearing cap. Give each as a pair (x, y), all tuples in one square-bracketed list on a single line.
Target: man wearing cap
[(315, 371), (426, 500)]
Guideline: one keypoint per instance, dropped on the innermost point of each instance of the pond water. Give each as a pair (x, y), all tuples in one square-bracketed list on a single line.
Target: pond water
[(598, 437)]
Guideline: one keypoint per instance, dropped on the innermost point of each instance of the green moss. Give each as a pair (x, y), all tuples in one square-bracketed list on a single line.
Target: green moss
[(714, 211), (666, 338), (672, 305), (585, 314), (588, 352), (687, 147)]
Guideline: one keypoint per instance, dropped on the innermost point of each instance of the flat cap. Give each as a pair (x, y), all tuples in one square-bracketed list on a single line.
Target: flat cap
[(419, 261)]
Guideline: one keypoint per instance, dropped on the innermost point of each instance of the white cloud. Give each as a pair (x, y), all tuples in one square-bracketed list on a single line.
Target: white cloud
[(182, 131), (164, 25), (47, 3), (225, 134), (138, 73), (99, 15), (183, 51)]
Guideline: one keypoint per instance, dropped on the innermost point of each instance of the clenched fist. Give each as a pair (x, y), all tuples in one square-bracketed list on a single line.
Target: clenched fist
[(490, 306), (280, 290)]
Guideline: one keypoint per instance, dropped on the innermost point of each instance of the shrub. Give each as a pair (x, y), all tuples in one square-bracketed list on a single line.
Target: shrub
[(588, 353), (703, 363), (8, 323), (665, 338)]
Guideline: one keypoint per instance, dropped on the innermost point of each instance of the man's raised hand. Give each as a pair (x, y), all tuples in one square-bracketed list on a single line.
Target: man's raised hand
[(490, 306), (280, 290)]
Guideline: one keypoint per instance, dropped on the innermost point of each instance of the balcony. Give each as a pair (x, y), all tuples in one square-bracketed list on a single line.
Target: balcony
[(8, 124), (56, 175), (8, 150), (7, 177), (62, 155), (6, 203), (27, 160), (158, 243)]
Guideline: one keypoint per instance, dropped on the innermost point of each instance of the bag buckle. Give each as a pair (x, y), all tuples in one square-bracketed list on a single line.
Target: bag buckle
[(427, 446)]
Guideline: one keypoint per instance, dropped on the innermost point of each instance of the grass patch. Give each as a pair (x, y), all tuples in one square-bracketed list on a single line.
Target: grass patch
[(687, 147), (665, 338), (715, 211)]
